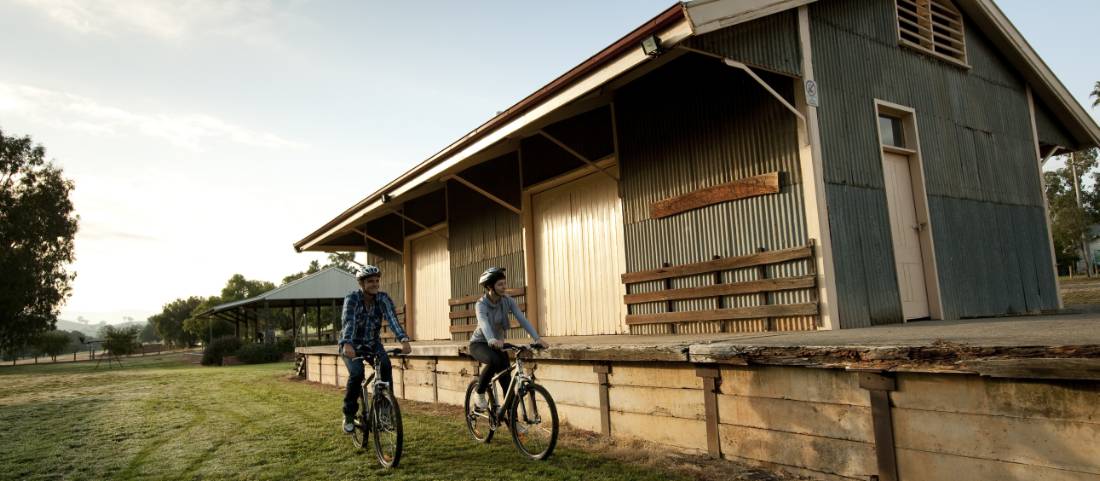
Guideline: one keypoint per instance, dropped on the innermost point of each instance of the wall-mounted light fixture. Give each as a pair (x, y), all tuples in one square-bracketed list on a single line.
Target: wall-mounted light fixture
[(386, 198), (651, 45)]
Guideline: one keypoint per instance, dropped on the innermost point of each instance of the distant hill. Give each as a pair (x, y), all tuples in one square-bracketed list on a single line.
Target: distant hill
[(89, 329)]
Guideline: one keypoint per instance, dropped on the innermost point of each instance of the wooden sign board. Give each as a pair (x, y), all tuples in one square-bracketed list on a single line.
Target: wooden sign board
[(738, 189)]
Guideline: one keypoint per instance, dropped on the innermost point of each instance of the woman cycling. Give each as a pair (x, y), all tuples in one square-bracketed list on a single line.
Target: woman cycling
[(492, 325)]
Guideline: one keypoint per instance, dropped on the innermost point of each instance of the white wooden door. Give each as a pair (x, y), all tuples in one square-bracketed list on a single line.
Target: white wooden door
[(905, 231), (431, 279), (579, 258)]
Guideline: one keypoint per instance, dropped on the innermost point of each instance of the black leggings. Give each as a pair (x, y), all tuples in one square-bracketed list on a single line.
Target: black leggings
[(495, 361)]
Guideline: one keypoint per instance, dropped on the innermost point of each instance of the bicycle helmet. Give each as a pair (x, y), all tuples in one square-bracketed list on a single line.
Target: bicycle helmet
[(491, 276), (367, 271)]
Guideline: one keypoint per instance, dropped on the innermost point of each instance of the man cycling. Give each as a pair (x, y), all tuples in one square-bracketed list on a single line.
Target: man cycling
[(364, 309), (492, 325)]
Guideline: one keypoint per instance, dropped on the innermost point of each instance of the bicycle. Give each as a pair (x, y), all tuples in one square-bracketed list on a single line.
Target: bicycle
[(529, 433), (380, 415)]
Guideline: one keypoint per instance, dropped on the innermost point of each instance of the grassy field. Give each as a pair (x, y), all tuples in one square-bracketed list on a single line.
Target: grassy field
[(160, 418), (1080, 290)]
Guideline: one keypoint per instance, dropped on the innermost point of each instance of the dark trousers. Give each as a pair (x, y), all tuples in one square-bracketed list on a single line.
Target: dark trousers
[(495, 361), (377, 359)]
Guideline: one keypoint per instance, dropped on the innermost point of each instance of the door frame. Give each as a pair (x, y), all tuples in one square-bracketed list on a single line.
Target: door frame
[(410, 292), (912, 152)]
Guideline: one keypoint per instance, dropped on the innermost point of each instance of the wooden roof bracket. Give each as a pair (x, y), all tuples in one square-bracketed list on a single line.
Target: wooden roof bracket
[(479, 190), (740, 65), (576, 154)]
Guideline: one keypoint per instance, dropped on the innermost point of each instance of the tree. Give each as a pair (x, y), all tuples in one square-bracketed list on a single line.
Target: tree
[(119, 341), (314, 267), (169, 323), (1070, 222), (1095, 95), (149, 332), (343, 260), (238, 288), (203, 327), (52, 343), (37, 226)]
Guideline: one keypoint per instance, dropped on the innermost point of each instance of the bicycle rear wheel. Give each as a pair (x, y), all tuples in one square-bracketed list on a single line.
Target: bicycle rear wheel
[(477, 421), (533, 420), (388, 430)]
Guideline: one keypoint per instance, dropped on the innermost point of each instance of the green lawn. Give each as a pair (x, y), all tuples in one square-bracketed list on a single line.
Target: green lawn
[(1080, 290), (159, 418)]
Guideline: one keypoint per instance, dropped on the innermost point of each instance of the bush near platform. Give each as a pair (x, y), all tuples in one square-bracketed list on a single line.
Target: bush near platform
[(258, 353), (218, 349)]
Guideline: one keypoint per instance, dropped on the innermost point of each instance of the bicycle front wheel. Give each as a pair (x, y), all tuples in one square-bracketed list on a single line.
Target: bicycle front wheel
[(388, 430), (533, 420)]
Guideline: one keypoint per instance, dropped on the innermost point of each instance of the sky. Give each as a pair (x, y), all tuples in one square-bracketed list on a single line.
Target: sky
[(206, 137)]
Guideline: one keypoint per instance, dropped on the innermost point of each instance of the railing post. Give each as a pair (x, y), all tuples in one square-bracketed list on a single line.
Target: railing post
[(602, 370), (882, 420), (712, 379)]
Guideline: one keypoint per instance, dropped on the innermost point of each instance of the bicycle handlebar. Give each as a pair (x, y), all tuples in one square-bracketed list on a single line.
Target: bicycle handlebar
[(519, 347), (391, 352)]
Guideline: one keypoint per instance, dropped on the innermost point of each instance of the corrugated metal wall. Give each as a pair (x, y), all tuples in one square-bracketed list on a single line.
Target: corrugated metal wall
[(483, 233), (674, 140), (393, 280), (770, 42), (979, 161)]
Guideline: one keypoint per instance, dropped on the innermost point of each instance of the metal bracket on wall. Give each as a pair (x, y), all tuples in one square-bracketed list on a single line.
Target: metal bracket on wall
[(434, 232), (740, 65), (376, 241), (485, 193), (576, 154)]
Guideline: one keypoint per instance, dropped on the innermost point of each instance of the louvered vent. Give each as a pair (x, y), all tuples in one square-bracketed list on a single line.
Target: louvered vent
[(934, 27)]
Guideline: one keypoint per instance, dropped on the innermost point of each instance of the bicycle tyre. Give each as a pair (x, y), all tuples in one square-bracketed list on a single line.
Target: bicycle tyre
[(360, 437), (519, 433), (388, 456), (480, 431)]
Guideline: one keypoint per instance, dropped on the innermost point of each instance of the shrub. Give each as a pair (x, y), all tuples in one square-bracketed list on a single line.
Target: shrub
[(285, 345), (258, 353), (120, 341), (221, 347)]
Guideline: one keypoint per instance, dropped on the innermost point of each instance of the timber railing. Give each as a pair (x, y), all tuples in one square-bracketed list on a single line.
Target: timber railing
[(762, 285), (464, 320), (386, 334)]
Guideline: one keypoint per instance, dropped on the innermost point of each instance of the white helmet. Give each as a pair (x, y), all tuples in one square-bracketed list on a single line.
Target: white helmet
[(367, 271), (490, 276)]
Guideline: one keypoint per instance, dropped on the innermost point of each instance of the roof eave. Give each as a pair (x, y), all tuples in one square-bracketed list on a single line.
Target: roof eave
[(668, 18), (1036, 72)]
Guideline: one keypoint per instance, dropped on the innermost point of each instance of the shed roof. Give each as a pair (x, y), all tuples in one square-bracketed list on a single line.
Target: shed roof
[(328, 284), (672, 26)]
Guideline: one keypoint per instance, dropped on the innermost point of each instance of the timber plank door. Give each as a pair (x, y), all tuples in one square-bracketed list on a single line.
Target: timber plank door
[(431, 279), (905, 231), (579, 258)]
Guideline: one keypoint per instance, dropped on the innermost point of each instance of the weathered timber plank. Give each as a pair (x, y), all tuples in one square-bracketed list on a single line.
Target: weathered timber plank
[(737, 262), (473, 327), (753, 312), (738, 189), (749, 287), (458, 301), (1068, 369), (472, 313)]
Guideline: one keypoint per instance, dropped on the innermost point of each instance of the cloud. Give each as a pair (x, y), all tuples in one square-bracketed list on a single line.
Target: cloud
[(73, 112), (175, 20), (107, 235)]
